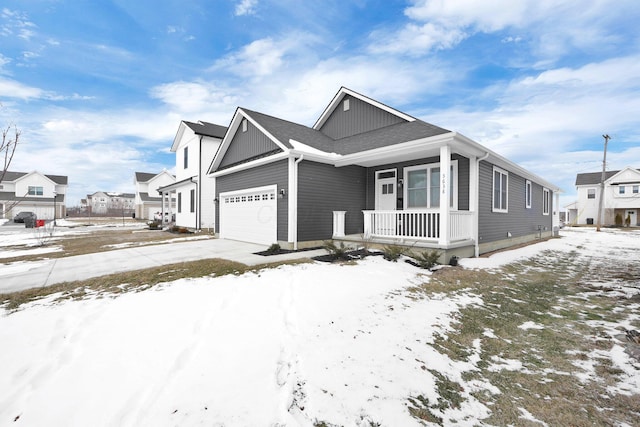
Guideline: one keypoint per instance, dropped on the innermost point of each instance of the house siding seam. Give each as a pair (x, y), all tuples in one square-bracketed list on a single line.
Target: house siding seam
[(519, 220), (323, 189), (361, 117), (247, 145), (463, 180), (271, 174)]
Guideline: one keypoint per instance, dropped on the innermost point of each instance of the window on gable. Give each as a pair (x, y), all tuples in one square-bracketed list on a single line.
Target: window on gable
[(500, 190), (35, 191), (546, 201), (591, 193), (244, 125), (527, 194), (423, 186), (621, 189), (186, 157), (345, 105), (193, 201)]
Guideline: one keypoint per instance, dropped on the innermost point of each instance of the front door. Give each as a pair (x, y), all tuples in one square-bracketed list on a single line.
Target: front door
[(386, 184), (633, 215)]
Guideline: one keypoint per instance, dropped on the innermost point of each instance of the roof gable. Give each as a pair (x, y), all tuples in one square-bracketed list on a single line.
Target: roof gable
[(334, 115), (627, 175), (209, 130)]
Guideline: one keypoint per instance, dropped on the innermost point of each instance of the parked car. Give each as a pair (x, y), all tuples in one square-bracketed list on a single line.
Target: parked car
[(24, 215)]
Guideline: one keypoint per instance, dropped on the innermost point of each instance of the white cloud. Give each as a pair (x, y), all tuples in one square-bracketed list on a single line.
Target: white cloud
[(13, 89), (246, 7)]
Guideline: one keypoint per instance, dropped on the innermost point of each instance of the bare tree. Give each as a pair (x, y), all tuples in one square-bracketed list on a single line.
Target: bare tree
[(10, 139)]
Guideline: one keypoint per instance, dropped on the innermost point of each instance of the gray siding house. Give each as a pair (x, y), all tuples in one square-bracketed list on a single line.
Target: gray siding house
[(369, 173)]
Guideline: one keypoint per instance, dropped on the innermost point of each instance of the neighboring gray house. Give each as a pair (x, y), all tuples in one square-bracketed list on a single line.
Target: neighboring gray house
[(368, 172)]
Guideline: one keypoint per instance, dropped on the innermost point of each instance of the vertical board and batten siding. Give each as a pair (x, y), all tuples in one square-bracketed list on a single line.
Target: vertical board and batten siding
[(273, 173), (463, 180), (323, 189), (247, 145), (361, 117), (519, 221)]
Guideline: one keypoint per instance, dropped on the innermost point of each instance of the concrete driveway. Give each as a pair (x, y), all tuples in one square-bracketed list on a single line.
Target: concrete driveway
[(20, 276)]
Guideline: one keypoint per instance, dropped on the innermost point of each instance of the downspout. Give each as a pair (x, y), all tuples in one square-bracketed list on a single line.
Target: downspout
[(295, 202), (477, 203), (199, 187)]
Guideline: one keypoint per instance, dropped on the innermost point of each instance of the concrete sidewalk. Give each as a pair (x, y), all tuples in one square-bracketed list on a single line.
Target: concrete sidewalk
[(56, 270)]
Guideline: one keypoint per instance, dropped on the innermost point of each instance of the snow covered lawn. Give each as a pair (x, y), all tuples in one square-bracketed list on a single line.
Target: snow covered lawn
[(315, 344)]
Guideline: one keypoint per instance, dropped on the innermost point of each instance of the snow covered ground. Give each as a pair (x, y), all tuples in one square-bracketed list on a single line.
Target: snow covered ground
[(289, 346)]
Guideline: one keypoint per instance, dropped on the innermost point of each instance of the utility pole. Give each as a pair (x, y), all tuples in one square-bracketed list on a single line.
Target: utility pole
[(604, 168)]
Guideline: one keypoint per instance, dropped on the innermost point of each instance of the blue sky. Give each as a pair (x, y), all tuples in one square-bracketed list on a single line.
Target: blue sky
[(98, 88)]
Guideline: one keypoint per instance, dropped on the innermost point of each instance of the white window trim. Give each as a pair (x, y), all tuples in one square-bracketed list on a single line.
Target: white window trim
[(493, 192), (546, 201), (453, 181), (528, 194)]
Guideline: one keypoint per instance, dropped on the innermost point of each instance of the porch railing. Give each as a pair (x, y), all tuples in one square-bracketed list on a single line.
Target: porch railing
[(418, 225)]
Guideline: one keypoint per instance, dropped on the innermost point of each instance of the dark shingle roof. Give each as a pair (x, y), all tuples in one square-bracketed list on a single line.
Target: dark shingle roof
[(145, 197), (58, 179), (388, 135), (207, 129), (592, 178), (398, 133), (144, 176)]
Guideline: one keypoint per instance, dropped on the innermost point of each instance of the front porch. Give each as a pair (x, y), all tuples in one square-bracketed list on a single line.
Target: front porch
[(423, 229)]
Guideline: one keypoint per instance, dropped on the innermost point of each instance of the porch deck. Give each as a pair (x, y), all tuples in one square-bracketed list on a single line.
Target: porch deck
[(419, 228)]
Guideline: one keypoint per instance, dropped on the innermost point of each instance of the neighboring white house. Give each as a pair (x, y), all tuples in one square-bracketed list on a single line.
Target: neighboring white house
[(148, 202), (621, 198), (104, 203), (195, 145), (33, 192)]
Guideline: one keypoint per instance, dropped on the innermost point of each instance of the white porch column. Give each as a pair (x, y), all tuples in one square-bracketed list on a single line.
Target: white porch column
[(338, 223), (473, 197), (445, 180)]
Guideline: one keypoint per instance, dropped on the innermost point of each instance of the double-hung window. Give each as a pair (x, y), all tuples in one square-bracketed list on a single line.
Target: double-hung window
[(546, 201), (500, 190), (621, 189), (423, 186), (591, 193), (35, 191), (527, 194)]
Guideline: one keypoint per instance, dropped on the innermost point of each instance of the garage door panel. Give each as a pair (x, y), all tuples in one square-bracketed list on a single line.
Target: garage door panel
[(249, 215)]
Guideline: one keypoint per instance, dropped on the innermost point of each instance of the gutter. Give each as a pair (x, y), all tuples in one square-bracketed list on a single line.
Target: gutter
[(477, 203)]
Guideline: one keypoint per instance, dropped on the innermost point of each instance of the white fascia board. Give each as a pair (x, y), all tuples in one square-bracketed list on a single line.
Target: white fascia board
[(380, 154), (344, 91), (178, 137), (264, 131), (239, 115), (226, 141), (251, 164), (310, 153)]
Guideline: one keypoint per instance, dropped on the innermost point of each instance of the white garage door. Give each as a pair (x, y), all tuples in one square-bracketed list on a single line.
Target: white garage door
[(249, 215)]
